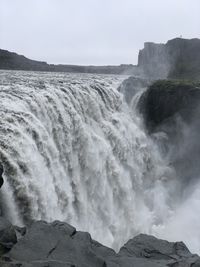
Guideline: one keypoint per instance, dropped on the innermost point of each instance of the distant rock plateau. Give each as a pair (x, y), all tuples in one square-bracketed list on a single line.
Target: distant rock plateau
[(13, 61), (179, 58)]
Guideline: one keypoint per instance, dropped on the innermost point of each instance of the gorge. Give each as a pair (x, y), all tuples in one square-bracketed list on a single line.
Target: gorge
[(112, 155)]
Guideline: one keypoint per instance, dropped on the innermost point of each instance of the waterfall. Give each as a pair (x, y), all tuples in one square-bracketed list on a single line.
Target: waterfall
[(73, 150)]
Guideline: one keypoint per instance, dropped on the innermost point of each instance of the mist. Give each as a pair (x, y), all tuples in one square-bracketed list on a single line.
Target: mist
[(177, 140)]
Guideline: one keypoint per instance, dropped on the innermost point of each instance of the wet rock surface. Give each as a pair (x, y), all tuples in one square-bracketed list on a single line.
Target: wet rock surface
[(7, 235), (58, 244), (1, 175), (165, 99), (132, 86)]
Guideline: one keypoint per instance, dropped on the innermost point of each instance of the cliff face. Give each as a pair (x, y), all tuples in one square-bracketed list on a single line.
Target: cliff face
[(184, 56), (178, 58), (171, 111), (152, 61), (165, 99)]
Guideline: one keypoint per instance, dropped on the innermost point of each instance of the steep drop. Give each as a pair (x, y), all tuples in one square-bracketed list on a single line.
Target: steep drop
[(73, 150)]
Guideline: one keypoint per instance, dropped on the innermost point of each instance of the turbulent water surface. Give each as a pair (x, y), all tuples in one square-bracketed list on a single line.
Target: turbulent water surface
[(73, 150)]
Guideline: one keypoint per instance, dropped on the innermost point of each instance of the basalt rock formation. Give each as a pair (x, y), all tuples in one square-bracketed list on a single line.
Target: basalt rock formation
[(153, 61), (184, 57), (165, 99), (171, 115), (179, 58)]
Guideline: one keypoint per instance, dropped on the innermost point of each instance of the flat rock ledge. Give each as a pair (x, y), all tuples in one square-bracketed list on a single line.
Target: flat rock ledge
[(58, 244)]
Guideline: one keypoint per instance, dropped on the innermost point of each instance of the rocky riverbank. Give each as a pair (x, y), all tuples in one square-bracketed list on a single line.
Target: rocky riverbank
[(59, 244)]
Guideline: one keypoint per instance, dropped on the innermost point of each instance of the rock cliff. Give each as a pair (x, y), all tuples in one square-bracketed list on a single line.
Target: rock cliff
[(178, 58), (153, 61), (171, 112), (165, 99)]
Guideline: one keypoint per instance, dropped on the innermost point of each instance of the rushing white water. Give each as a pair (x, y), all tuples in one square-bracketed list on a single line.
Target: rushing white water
[(73, 150)]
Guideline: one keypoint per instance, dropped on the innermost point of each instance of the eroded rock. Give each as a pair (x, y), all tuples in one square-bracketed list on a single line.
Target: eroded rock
[(58, 244)]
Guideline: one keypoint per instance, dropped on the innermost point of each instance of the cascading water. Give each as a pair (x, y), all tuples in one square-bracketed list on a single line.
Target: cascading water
[(73, 150)]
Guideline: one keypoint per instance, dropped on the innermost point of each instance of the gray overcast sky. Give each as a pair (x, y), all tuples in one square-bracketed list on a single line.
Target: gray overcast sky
[(93, 31)]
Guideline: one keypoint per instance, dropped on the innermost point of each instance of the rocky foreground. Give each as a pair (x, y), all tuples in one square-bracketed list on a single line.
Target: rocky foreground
[(58, 244)]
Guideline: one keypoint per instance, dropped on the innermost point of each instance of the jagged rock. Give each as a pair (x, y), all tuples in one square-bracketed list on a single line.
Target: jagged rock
[(58, 244), (148, 251), (150, 247)]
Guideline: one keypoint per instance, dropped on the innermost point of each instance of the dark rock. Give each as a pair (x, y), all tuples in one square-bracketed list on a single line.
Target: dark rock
[(171, 112), (149, 251), (144, 246), (13, 61), (37, 264), (172, 108), (58, 244), (7, 236), (196, 264), (1, 175), (132, 86), (164, 99), (20, 231)]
